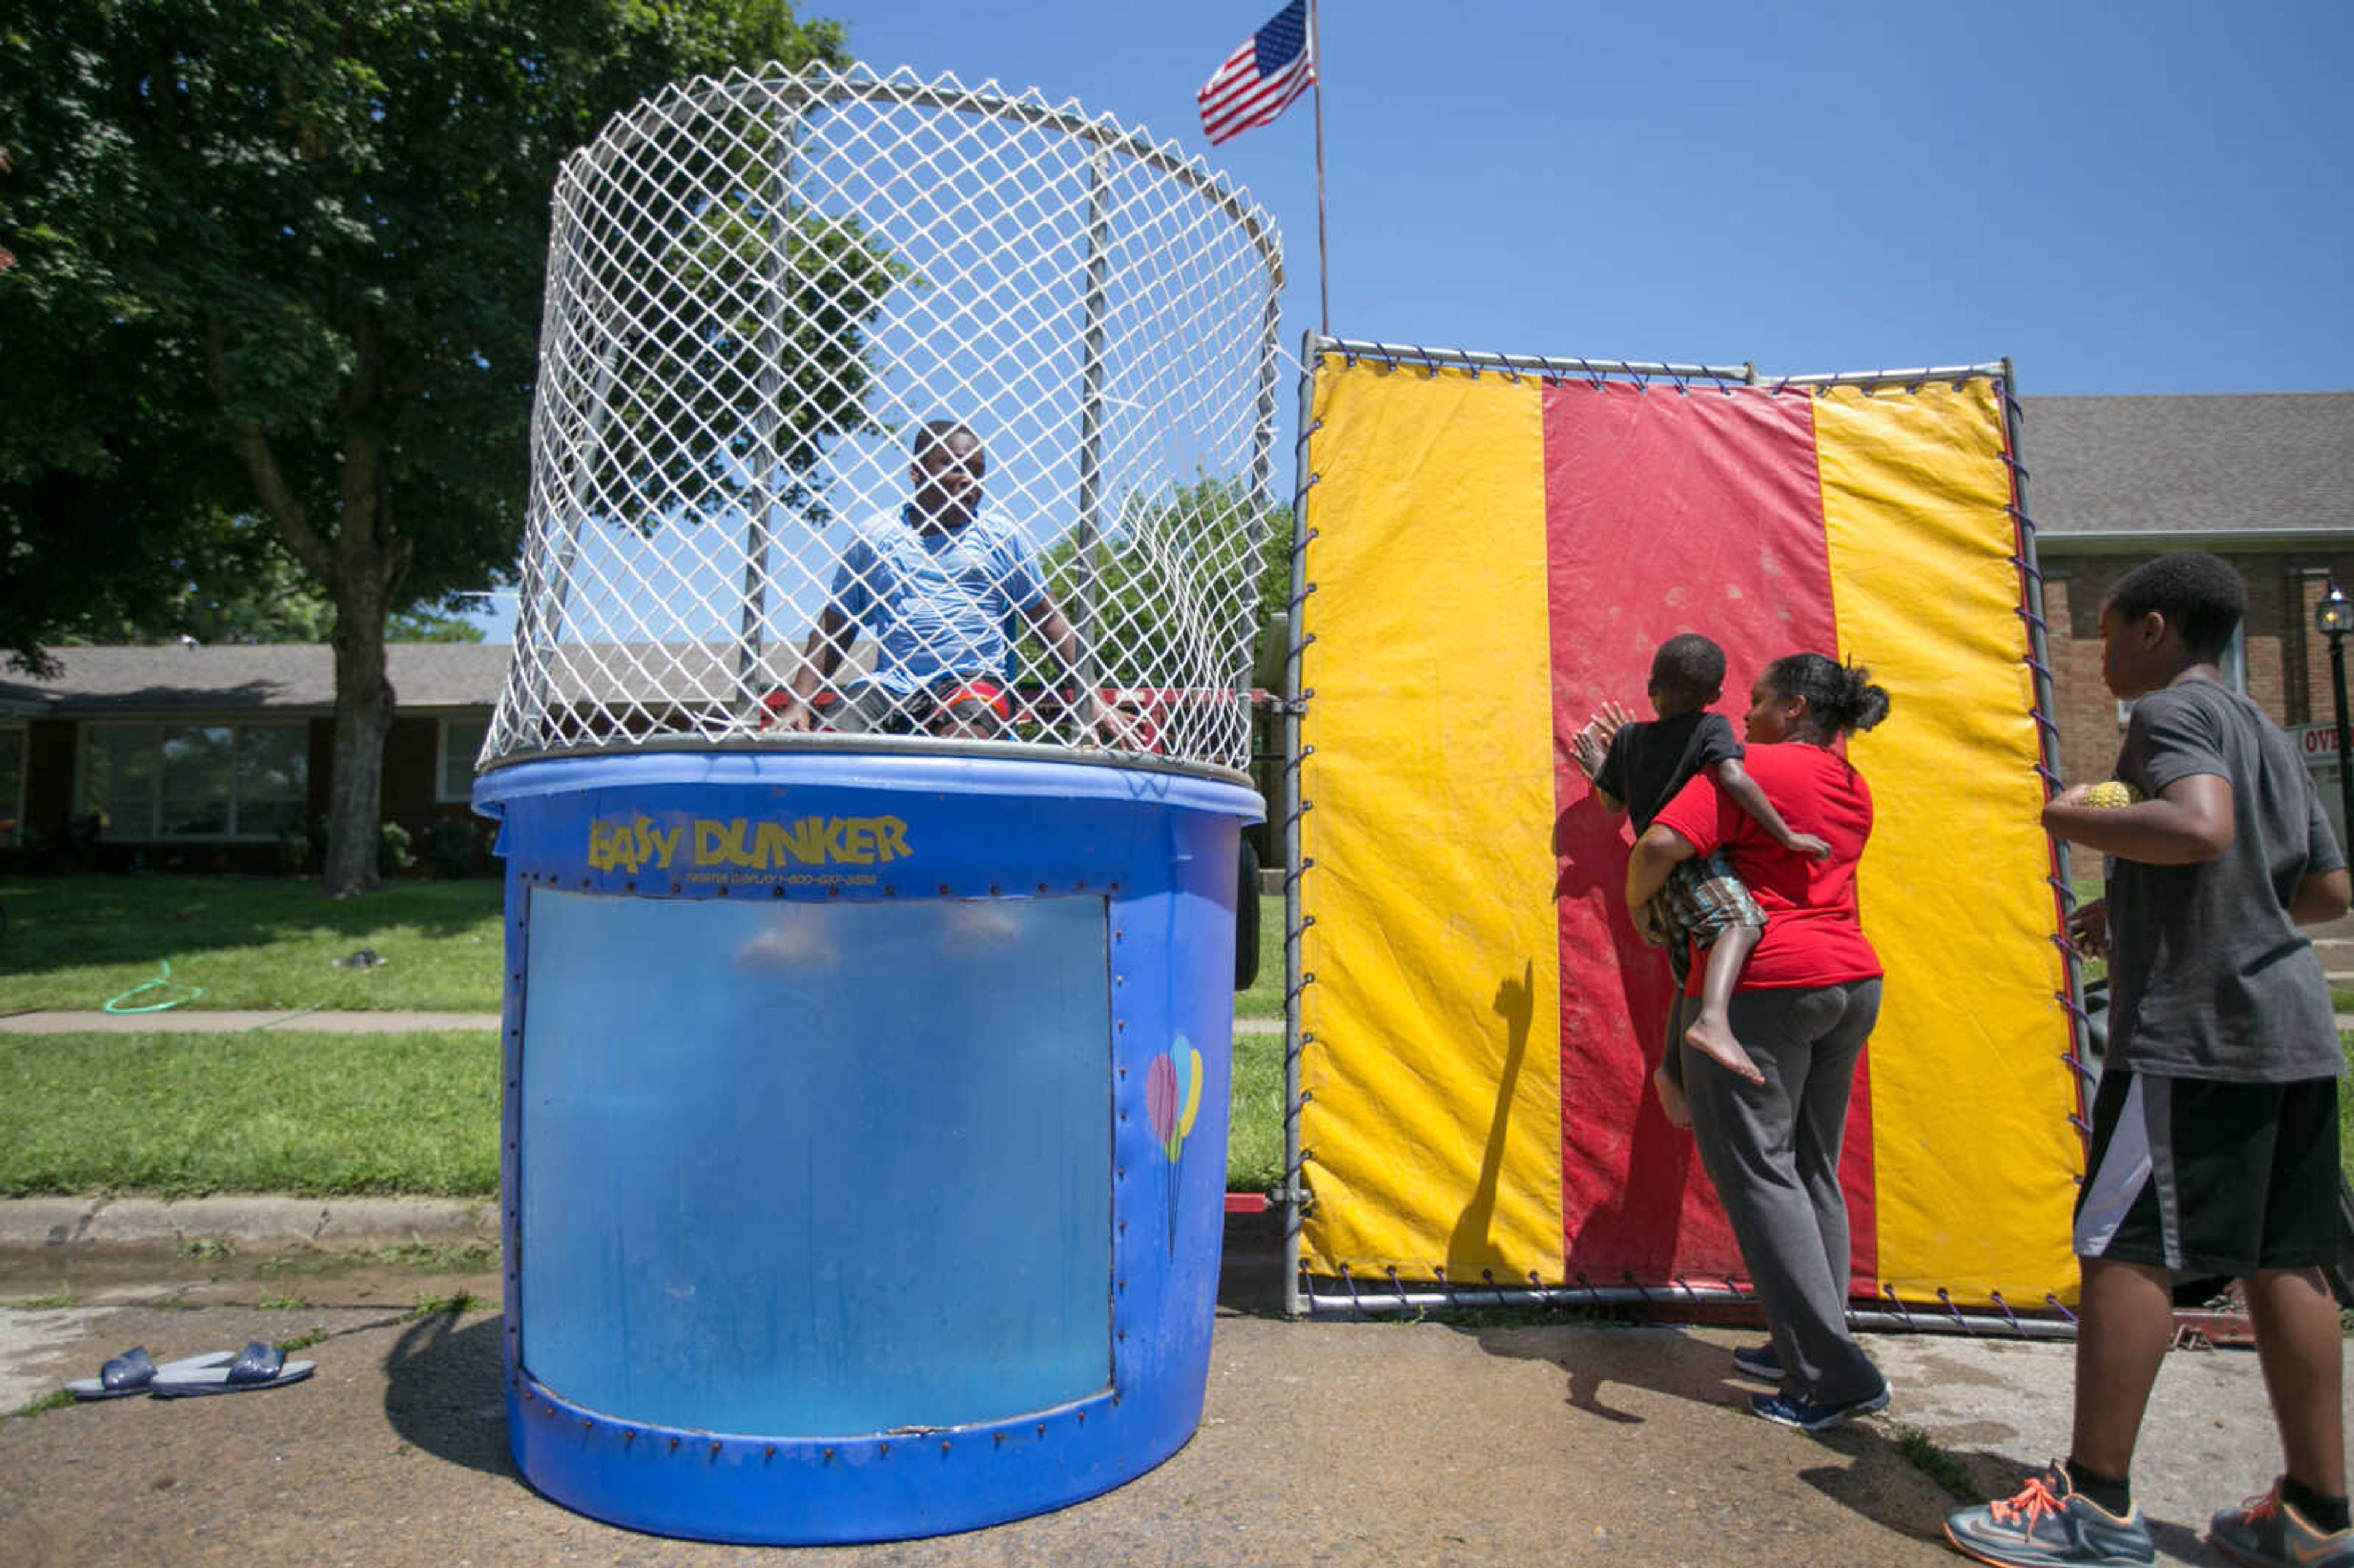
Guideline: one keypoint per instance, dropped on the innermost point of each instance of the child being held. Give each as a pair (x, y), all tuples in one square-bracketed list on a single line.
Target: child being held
[(1637, 767)]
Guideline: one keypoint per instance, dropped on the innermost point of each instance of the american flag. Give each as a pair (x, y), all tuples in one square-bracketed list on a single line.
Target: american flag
[(1270, 69)]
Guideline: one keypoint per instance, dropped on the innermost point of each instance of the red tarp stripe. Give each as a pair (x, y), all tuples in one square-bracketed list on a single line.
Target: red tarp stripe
[(1665, 512)]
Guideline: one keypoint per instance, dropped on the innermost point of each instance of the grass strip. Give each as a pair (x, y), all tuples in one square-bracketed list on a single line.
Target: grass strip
[(315, 1114), (324, 1115), (1936, 1463)]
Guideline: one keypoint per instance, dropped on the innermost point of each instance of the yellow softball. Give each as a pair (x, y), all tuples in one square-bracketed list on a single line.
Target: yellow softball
[(2110, 793)]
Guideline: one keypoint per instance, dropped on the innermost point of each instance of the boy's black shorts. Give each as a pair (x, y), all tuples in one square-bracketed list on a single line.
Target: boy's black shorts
[(2212, 1178)]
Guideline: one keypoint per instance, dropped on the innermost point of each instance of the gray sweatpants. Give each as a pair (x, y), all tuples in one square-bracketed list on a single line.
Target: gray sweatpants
[(1773, 1151)]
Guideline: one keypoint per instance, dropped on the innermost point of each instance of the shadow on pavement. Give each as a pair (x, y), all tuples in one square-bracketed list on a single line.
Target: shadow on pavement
[(1665, 1360), (442, 1391)]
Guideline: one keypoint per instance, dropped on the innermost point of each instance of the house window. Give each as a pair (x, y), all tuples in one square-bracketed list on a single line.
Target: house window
[(12, 785), (461, 742), (195, 781)]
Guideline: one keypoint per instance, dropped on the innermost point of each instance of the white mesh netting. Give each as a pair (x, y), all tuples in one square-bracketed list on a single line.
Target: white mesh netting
[(761, 290)]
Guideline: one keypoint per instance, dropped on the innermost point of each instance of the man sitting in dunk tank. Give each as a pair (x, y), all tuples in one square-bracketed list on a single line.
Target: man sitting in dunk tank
[(937, 586)]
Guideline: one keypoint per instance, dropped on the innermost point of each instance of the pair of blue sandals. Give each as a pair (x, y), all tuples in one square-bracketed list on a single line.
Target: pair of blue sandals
[(218, 1372)]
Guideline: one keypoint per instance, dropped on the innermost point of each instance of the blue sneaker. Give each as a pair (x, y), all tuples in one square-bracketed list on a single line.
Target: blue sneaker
[(2049, 1524), (1808, 1416), (1758, 1362), (2270, 1533)]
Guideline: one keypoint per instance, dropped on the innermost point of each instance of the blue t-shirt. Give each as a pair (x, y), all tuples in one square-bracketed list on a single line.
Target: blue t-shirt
[(940, 604)]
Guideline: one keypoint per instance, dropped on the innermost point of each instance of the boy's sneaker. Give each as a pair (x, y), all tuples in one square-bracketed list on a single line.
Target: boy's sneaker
[(2047, 1525), (2271, 1533), (1808, 1416), (1758, 1362)]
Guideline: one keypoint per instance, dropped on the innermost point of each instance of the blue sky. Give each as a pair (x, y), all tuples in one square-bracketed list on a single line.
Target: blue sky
[(2123, 197)]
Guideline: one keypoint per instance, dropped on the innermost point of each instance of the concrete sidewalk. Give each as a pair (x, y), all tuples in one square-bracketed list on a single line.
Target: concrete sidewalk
[(1472, 1443)]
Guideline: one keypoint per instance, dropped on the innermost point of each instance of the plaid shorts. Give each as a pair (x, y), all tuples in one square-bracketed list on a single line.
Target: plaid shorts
[(1703, 899)]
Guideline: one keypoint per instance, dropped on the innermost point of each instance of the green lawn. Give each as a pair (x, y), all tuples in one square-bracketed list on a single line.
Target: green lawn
[(270, 944), (324, 1115), (290, 1111), (250, 942), (316, 1114)]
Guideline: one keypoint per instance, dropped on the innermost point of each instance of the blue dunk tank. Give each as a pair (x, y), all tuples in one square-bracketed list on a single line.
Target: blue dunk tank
[(867, 1045)]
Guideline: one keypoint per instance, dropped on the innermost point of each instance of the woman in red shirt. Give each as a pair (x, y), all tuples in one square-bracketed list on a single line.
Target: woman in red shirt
[(1806, 1004)]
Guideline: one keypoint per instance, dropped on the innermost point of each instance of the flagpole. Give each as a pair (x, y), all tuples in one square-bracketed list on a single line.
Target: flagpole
[(1323, 277)]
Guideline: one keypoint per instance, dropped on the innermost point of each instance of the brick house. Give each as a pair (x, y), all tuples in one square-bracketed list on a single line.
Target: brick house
[(2266, 481), (201, 759)]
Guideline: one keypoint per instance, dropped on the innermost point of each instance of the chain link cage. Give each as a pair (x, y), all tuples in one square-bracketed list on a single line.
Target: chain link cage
[(789, 318)]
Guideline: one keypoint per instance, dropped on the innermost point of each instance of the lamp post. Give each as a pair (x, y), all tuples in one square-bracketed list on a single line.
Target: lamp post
[(2333, 616)]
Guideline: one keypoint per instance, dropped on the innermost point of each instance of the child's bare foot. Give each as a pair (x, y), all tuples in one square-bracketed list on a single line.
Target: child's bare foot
[(1711, 1037), (1671, 1097)]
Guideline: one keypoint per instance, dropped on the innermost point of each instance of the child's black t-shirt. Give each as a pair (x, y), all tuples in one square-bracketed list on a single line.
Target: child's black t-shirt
[(1649, 762)]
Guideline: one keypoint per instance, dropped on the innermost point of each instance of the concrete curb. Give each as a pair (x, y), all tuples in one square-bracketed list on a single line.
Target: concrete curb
[(152, 1224)]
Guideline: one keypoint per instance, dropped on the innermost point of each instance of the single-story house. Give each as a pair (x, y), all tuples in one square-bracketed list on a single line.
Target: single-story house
[(193, 757), (186, 757)]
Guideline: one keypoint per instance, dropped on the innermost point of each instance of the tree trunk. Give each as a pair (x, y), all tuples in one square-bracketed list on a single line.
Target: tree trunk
[(361, 565), (364, 701)]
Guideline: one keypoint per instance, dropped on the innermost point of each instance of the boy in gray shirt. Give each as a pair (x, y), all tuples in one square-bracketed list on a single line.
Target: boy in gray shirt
[(2215, 1126)]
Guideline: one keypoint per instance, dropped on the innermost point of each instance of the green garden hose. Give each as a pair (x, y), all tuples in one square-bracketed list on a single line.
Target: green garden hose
[(164, 982)]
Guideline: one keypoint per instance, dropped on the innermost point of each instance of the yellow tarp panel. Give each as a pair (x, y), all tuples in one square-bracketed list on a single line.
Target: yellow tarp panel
[(1434, 946), (1973, 1156)]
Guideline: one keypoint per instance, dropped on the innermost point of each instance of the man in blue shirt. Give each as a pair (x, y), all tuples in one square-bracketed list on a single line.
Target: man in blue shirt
[(937, 587)]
